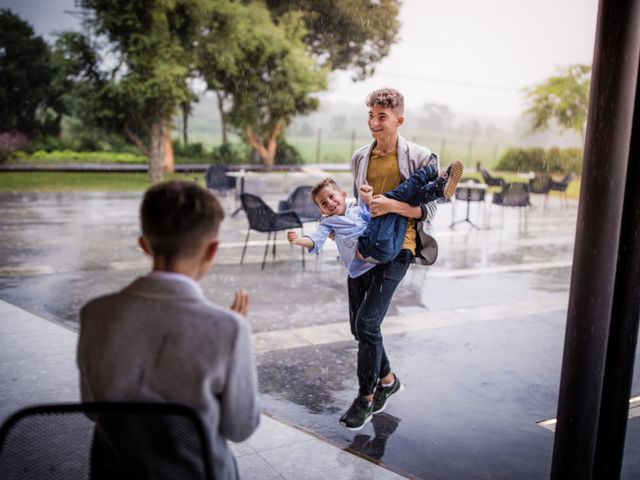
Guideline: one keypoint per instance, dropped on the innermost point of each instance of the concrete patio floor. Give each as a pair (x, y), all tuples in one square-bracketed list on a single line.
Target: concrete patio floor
[(477, 338)]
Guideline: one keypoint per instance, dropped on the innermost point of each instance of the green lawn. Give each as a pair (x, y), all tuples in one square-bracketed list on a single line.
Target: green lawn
[(78, 181), (82, 181)]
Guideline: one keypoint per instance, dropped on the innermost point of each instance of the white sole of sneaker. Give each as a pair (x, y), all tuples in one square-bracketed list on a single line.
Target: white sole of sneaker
[(355, 429), (401, 389), (454, 177)]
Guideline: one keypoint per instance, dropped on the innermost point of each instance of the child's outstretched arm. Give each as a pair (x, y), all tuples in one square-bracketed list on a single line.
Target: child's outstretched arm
[(366, 193), (294, 239)]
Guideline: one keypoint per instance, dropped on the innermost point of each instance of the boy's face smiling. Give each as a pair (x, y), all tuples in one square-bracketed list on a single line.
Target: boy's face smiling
[(384, 122), (331, 201)]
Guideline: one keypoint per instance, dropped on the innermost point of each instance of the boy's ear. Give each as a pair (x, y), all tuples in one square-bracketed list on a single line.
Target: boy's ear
[(343, 193), (144, 246), (211, 250), (400, 120)]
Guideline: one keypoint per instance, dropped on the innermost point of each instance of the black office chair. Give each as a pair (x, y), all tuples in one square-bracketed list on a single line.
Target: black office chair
[(541, 184), (491, 181), (101, 441), (300, 202), (562, 185), (262, 218), (513, 195)]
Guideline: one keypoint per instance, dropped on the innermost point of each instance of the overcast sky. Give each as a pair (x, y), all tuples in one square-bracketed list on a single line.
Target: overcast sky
[(474, 55)]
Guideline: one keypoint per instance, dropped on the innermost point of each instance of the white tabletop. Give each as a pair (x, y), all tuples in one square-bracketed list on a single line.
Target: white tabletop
[(472, 186)]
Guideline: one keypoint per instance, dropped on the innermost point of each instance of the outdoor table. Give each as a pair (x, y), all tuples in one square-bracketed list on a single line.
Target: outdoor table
[(468, 187), (239, 175)]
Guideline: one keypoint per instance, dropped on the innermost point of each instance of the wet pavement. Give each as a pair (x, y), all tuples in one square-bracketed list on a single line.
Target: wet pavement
[(477, 338)]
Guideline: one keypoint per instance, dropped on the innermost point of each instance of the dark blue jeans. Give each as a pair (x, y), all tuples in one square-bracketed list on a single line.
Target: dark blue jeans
[(369, 298), (383, 237)]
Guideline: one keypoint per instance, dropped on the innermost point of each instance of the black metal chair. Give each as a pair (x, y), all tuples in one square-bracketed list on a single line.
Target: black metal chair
[(513, 195), (262, 218), (300, 202), (101, 441), (562, 185), (491, 181), (541, 184)]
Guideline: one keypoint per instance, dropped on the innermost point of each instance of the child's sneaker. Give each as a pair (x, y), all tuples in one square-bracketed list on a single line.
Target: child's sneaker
[(453, 174)]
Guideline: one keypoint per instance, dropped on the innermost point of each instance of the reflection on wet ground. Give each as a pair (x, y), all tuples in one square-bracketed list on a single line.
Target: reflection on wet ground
[(477, 339)]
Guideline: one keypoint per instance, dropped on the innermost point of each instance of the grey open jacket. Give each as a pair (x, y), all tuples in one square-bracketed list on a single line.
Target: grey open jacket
[(410, 157)]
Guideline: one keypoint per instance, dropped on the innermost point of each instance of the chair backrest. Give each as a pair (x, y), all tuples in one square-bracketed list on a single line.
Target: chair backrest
[(216, 178), (489, 180), (471, 195), (515, 195), (562, 185), (260, 215), (300, 202), (540, 184), (102, 441)]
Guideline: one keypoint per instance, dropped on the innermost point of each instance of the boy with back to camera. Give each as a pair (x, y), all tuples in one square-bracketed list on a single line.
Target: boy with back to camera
[(364, 241), (160, 340)]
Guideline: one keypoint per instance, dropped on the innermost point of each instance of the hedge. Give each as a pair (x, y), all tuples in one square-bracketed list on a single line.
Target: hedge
[(553, 160)]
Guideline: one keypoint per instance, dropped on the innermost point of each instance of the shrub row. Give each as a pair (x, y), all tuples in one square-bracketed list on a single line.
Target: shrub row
[(553, 160)]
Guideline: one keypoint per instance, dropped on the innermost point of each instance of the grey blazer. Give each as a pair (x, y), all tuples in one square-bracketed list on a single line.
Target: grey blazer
[(410, 157), (161, 340)]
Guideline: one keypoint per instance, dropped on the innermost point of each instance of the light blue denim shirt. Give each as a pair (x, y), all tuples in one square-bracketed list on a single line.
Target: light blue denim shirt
[(348, 228)]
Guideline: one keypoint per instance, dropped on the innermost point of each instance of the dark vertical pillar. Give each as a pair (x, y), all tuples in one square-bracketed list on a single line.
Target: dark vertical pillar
[(623, 330), (596, 277)]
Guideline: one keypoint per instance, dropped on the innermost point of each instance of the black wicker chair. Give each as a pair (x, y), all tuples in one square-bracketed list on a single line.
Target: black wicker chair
[(562, 185), (513, 195), (216, 178), (541, 184), (491, 181), (262, 218), (101, 441), (300, 202)]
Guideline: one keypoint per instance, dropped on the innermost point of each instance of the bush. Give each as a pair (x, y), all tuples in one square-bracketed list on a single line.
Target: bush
[(554, 160), (191, 150), (230, 154), (10, 143), (287, 154), (71, 156)]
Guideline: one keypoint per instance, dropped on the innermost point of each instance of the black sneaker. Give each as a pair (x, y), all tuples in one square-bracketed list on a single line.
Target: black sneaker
[(453, 174), (358, 415), (381, 394)]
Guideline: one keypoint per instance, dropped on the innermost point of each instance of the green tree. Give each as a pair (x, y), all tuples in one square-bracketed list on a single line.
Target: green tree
[(25, 75), (345, 34), (261, 71), (563, 97), (150, 47)]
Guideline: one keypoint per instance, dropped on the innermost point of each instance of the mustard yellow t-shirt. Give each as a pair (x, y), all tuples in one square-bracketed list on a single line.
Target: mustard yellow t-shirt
[(383, 175)]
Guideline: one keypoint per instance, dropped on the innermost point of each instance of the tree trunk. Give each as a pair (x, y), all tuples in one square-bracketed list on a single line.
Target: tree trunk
[(156, 151), (223, 118), (268, 152), (185, 123), (168, 160)]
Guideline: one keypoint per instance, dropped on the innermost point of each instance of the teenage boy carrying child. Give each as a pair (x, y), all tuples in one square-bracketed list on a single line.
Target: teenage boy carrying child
[(159, 339), (364, 241)]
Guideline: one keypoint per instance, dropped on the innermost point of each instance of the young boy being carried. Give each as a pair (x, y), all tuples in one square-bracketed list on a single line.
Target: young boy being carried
[(363, 240)]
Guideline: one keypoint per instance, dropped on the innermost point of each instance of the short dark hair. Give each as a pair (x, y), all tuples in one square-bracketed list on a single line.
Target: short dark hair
[(176, 217), (317, 188), (387, 98)]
